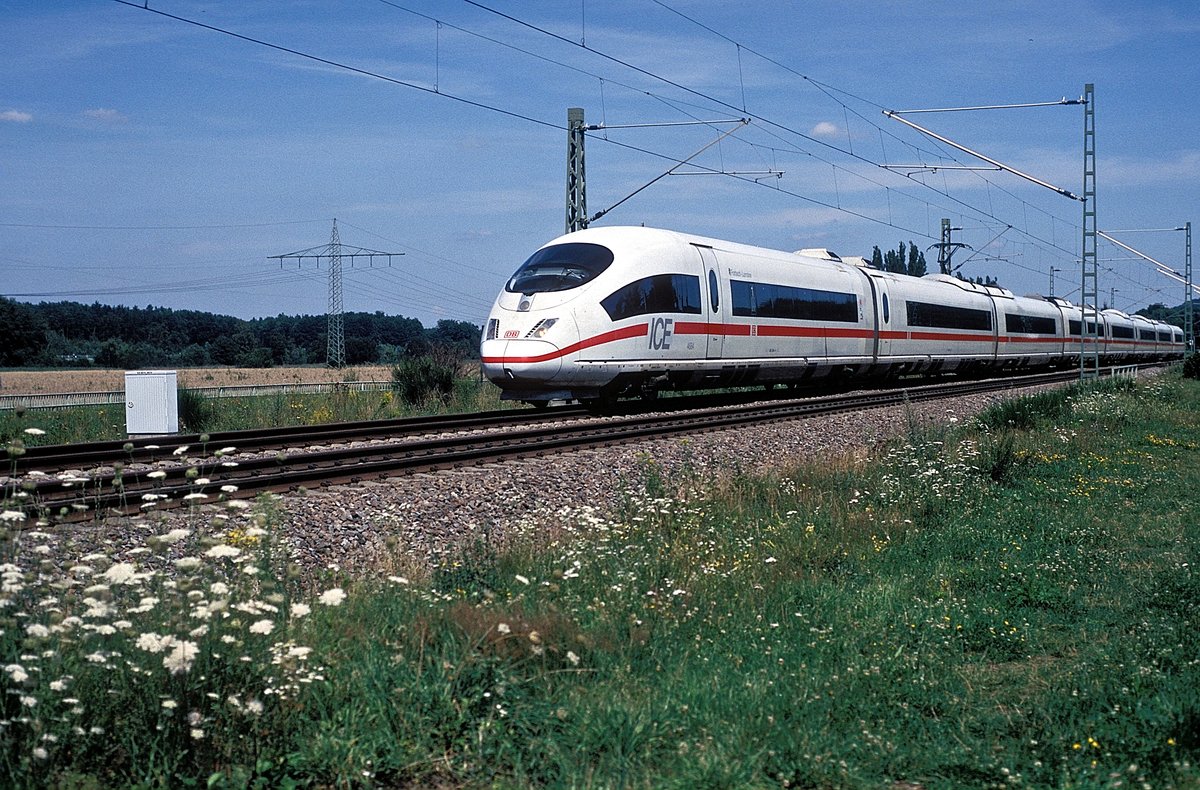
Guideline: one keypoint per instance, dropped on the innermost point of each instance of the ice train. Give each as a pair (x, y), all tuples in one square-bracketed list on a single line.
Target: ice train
[(618, 311)]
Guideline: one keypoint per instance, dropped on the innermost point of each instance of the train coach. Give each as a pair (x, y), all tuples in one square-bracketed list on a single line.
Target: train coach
[(628, 311)]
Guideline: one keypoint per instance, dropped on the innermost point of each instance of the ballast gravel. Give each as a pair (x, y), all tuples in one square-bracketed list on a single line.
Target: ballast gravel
[(403, 524)]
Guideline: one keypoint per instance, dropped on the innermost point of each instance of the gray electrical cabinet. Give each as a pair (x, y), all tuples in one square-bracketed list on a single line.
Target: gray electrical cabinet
[(151, 402)]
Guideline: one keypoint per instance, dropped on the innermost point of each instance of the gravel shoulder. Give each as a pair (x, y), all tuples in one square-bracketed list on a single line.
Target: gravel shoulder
[(401, 525)]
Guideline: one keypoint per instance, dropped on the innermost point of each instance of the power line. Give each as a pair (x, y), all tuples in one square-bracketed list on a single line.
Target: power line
[(157, 227), (522, 116), (828, 90), (336, 64), (725, 104)]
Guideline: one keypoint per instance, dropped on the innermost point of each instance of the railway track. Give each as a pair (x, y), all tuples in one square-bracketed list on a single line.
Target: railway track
[(50, 482)]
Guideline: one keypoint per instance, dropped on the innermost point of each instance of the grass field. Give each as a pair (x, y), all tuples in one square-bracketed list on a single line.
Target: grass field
[(1011, 603)]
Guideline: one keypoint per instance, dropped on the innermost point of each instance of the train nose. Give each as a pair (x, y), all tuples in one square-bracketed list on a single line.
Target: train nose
[(515, 364)]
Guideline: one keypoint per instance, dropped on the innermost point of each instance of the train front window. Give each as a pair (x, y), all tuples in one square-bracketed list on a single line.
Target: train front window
[(560, 267)]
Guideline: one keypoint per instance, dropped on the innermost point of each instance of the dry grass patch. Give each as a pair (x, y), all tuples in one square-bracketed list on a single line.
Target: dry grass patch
[(31, 382)]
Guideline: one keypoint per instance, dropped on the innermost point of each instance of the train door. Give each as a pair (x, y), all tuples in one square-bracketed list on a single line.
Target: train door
[(881, 322), (716, 302)]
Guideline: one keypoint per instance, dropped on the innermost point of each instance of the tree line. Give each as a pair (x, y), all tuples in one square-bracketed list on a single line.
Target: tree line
[(70, 334)]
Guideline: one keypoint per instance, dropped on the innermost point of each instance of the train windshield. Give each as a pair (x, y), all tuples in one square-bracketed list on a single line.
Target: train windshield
[(560, 267)]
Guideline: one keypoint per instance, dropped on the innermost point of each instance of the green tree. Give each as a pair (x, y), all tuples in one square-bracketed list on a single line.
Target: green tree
[(905, 259), (916, 261), (22, 333), (460, 337)]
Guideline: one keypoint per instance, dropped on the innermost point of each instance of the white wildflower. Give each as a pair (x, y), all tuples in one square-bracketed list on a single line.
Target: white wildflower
[(262, 627), (157, 474), (12, 516), (120, 573), (333, 597), (180, 450), (153, 643), (37, 631), (187, 563), (35, 432), (300, 609), (174, 536), (182, 657), (222, 550)]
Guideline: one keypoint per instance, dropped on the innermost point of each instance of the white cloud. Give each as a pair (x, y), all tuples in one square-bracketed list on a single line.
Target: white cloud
[(825, 129), (16, 116), (106, 115)]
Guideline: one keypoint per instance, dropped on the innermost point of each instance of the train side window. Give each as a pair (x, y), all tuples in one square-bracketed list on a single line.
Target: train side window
[(660, 293), (1018, 324), (887, 312), (714, 295), (947, 316), (767, 300)]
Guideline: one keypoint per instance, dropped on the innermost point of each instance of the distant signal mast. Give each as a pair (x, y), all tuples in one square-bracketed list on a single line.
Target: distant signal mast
[(334, 252)]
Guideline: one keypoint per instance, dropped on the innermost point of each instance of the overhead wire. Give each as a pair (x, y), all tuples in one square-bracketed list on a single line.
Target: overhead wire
[(525, 117), (828, 90), (756, 116)]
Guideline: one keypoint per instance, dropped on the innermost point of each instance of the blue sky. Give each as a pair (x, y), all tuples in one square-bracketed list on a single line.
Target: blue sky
[(148, 161)]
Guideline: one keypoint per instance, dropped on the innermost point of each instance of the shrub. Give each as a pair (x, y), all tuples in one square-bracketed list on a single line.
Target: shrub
[(196, 412), (1191, 366), (417, 379)]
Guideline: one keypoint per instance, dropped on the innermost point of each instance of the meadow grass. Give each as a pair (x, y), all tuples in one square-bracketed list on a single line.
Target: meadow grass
[(983, 606)]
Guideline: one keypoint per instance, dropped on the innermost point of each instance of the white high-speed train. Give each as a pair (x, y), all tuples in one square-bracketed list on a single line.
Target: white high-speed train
[(615, 311)]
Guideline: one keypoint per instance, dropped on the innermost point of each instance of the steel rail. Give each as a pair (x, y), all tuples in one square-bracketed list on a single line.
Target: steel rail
[(55, 457), (80, 498)]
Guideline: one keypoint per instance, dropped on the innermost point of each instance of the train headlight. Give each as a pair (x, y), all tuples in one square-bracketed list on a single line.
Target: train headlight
[(541, 328)]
